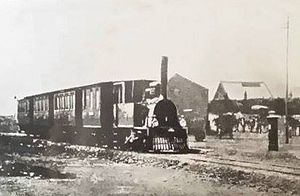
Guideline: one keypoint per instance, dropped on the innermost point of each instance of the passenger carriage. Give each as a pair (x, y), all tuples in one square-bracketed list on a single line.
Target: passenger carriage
[(104, 114)]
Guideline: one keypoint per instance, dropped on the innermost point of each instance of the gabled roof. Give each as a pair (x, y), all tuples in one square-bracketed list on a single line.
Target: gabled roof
[(238, 90), (180, 78)]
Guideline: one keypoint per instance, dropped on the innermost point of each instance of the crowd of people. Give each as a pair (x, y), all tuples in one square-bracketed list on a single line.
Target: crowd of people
[(230, 122)]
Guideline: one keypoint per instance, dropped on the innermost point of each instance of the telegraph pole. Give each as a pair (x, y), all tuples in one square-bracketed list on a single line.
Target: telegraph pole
[(287, 83)]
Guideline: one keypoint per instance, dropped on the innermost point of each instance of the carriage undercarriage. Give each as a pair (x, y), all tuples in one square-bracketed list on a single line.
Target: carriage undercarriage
[(157, 140)]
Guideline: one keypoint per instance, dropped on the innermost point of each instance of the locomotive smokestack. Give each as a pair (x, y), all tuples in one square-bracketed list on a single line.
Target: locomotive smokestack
[(164, 76)]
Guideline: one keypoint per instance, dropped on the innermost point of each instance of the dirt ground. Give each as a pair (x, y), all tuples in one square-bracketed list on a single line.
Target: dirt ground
[(251, 147), (102, 177), (79, 170)]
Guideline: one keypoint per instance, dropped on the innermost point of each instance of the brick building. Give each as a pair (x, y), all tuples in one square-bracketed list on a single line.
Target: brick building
[(191, 100)]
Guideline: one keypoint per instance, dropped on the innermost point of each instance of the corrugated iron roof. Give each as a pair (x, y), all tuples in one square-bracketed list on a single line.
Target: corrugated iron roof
[(236, 90)]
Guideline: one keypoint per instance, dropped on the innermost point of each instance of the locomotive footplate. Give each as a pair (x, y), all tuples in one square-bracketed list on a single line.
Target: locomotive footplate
[(165, 139)]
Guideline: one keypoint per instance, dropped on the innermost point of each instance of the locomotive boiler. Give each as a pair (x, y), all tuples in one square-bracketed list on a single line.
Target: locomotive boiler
[(107, 114)]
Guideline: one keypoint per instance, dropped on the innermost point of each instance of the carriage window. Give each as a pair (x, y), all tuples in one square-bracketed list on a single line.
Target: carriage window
[(98, 98), (24, 106), (20, 107), (63, 101), (42, 104), (39, 105), (67, 98), (83, 99), (56, 103), (87, 98), (71, 101), (42, 101), (46, 104), (60, 102), (91, 99), (119, 93), (66, 101)]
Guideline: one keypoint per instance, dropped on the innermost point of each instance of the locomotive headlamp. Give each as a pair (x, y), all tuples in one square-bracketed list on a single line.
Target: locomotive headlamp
[(182, 122)]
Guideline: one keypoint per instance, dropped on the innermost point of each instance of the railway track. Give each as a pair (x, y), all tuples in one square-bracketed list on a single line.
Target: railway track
[(289, 172), (245, 165), (250, 166), (269, 169)]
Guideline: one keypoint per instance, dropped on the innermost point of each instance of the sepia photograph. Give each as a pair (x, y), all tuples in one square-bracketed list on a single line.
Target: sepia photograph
[(149, 97)]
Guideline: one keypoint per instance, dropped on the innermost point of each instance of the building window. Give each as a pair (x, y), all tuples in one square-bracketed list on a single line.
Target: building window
[(176, 92)]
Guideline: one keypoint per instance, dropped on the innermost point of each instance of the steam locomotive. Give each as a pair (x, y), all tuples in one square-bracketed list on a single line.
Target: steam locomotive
[(107, 114)]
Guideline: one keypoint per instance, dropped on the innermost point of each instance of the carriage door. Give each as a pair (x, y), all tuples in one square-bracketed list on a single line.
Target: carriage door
[(119, 98)]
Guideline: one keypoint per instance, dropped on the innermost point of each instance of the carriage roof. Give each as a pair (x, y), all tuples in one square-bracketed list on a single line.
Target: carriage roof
[(83, 87)]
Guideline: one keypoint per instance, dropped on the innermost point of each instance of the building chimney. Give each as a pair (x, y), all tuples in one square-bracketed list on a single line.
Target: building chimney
[(164, 76)]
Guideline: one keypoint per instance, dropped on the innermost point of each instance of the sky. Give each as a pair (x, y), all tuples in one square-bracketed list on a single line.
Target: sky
[(54, 44)]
